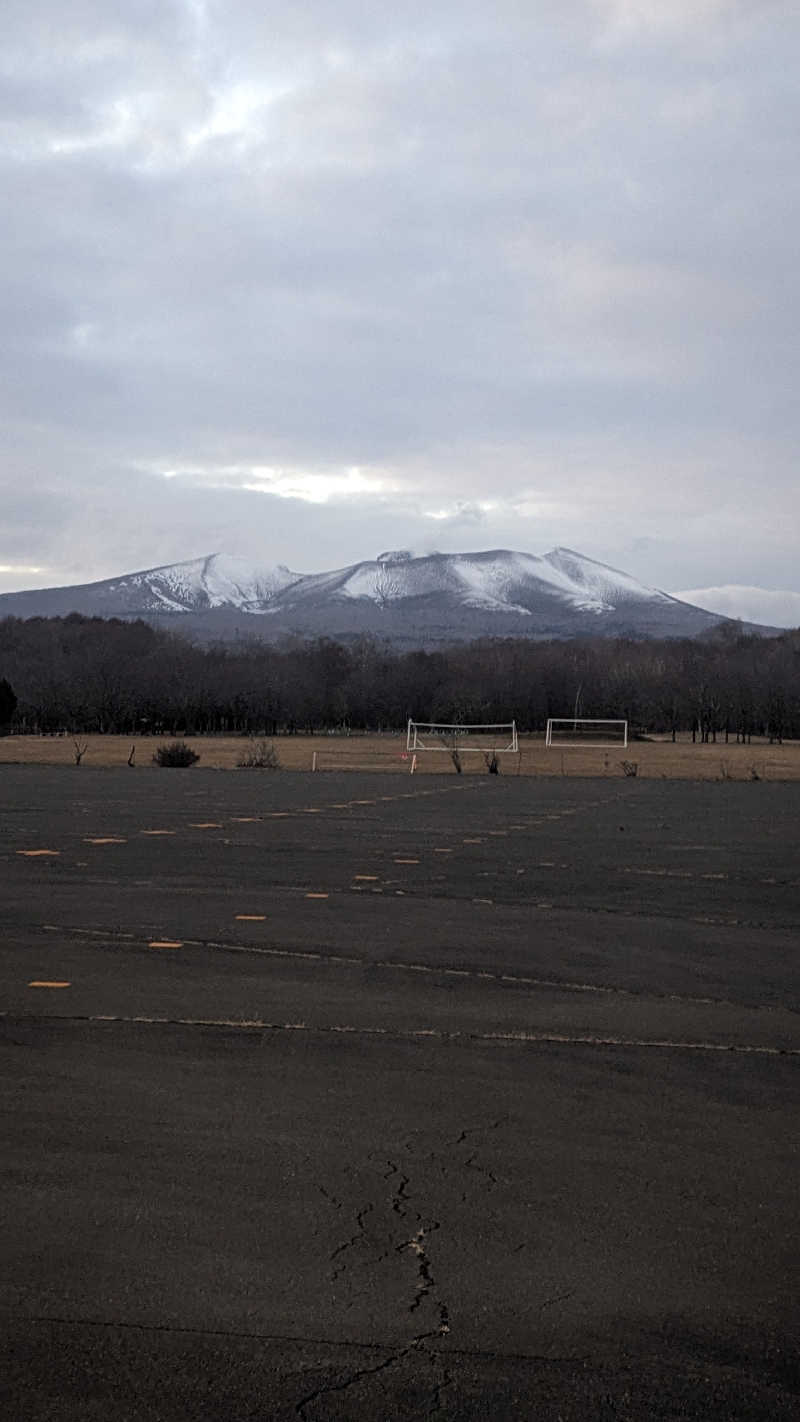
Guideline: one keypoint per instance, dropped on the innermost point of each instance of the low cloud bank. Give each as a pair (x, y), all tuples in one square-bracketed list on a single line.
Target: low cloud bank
[(776, 607)]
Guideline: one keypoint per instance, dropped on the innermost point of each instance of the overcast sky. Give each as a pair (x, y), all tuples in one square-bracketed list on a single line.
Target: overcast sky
[(307, 281)]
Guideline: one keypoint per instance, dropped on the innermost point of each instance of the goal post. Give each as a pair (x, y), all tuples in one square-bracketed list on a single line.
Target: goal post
[(591, 734), (500, 738)]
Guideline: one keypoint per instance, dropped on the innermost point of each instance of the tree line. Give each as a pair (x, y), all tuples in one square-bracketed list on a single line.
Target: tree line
[(79, 674)]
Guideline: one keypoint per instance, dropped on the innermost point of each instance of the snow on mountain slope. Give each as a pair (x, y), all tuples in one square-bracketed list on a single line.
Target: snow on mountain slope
[(608, 585), (497, 581), (215, 581)]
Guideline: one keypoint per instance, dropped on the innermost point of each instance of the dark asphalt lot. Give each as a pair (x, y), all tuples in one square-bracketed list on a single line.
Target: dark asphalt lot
[(461, 1098)]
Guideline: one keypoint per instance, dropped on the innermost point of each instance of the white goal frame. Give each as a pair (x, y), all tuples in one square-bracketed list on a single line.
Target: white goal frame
[(574, 722), (499, 738)]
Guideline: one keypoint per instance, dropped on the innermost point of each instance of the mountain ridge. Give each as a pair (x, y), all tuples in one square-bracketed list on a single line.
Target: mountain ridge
[(405, 597)]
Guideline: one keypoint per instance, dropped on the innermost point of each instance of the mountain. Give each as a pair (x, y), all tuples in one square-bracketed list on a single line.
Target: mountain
[(417, 601)]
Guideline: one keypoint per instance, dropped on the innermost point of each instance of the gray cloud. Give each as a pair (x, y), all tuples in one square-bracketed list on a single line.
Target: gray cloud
[(519, 275)]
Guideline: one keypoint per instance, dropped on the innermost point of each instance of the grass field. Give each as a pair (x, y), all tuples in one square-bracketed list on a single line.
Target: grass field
[(655, 759)]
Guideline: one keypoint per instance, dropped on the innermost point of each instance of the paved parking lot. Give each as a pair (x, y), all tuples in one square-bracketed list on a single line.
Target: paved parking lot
[(359, 1096)]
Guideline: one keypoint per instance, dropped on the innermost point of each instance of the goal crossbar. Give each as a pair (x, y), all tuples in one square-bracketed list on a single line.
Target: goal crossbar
[(590, 733), (500, 737)]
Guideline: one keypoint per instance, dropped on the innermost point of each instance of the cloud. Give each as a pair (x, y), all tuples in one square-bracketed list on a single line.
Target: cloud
[(527, 273), (772, 606)]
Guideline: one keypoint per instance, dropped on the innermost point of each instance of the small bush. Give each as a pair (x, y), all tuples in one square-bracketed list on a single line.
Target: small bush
[(492, 762), (630, 768), (260, 755), (177, 753)]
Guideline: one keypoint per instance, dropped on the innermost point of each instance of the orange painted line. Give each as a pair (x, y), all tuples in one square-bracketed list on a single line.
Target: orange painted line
[(245, 819), (37, 983), (368, 878), (157, 831), (165, 943), (107, 839), (406, 861), (206, 824), (37, 853), (443, 851), (251, 917), (316, 896)]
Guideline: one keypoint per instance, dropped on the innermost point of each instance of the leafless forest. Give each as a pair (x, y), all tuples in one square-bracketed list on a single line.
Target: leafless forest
[(88, 675)]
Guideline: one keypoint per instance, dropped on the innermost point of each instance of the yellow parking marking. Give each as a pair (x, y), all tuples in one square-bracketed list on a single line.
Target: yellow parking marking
[(316, 896), (245, 819), (43, 984), (37, 853), (362, 802), (106, 839), (251, 917), (157, 831), (312, 810), (279, 814), (206, 824), (165, 943), (367, 878), (406, 861)]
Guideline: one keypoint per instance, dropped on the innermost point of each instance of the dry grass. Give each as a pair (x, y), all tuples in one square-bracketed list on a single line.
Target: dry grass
[(657, 759)]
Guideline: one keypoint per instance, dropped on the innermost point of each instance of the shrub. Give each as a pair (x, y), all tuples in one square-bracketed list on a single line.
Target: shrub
[(177, 753), (492, 762), (260, 755), (630, 768)]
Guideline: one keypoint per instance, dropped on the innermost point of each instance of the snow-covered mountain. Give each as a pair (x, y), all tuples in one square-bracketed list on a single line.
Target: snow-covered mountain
[(415, 600)]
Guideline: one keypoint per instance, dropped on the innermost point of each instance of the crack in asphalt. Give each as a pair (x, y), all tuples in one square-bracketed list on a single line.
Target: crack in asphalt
[(356, 1377), (59, 1321), (399, 1205), (416, 1245), (470, 1162), (350, 1243), (417, 1345)]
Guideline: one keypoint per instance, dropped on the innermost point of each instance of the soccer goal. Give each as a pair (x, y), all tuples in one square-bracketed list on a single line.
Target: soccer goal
[(434, 736), (591, 734)]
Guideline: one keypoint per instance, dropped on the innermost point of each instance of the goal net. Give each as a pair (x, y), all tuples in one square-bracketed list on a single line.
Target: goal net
[(430, 735), (592, 734)]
